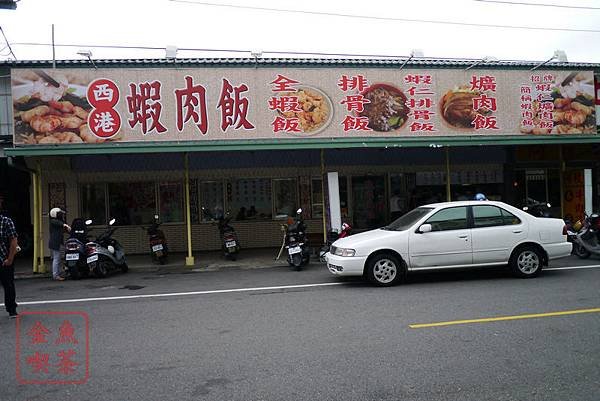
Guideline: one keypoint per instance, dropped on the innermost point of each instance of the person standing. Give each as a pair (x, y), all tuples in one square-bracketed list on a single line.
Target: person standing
[(396, 206), (8, 250), (57, 228)]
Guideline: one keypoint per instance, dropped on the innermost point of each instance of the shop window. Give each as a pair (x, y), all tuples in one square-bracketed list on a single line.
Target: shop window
[(132, 203), (170, 195), (316, 196), (251, 199), (93, 203), (285, 198), (211, 199)]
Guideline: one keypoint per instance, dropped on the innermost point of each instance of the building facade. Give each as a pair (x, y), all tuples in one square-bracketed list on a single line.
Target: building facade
[(258, 139)]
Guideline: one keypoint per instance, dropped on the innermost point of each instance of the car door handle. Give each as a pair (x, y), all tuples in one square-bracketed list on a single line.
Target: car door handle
[(517, 231), (463, 236)]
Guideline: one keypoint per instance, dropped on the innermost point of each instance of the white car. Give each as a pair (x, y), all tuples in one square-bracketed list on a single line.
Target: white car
[(451, 235)]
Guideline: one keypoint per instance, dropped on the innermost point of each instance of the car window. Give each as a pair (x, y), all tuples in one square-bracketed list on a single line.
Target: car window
[(453, 218), (487, 216), (409, 219), (509, 218)]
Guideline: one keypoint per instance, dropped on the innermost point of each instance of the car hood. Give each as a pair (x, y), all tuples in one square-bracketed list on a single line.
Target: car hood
[(369, 239)]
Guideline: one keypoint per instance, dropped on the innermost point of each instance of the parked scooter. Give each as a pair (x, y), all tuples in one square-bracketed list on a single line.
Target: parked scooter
[(105, 254), (537, 209), (333, 236), (229, 240), (159, 250), (75, 256), (587, 241), (296, 242)]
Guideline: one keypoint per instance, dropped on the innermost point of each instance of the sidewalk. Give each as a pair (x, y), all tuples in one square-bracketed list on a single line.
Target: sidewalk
[(204, 261)]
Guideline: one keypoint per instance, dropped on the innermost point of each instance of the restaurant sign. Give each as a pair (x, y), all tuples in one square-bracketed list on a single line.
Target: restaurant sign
[(63, 106)]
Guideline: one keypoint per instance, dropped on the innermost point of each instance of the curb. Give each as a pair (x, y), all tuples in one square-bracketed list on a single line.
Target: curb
[(179, 269)]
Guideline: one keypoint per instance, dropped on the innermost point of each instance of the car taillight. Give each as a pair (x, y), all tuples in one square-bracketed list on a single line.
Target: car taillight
[(90, 249), (565, 230)]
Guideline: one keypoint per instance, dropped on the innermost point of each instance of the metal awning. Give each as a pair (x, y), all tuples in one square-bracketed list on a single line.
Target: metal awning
[(297, 143)]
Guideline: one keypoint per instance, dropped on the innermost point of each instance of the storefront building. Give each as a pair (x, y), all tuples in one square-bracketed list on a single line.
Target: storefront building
[(360, 141)]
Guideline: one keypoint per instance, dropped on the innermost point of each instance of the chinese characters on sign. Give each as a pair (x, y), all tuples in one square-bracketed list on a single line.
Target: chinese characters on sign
[(354, 103), (285, 104), (52, 348), (420, 102), (537, 104), (103, 120), (484, 105)]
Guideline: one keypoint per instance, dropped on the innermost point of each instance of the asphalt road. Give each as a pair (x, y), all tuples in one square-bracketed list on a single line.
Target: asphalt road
[(274, 339)]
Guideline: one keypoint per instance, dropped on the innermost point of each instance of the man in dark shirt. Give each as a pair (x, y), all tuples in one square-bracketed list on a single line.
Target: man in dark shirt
[(8, 250)]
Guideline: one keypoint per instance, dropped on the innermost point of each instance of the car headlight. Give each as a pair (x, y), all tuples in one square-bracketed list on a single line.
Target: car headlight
[(344, 252)]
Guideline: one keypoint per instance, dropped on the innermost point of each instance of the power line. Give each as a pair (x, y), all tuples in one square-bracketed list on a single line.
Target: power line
[(7, 44), (277, 52), (331, 14), (517, 3)]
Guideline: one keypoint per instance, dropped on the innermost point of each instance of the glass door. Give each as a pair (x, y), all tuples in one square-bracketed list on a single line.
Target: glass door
[(369, 202)]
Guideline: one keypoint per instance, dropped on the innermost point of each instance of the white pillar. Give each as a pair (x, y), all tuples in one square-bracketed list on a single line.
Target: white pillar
[(587, 179), (335, 211)]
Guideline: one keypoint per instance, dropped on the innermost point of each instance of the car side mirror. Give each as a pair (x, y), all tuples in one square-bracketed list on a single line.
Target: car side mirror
[(425, 228), (88, 222)]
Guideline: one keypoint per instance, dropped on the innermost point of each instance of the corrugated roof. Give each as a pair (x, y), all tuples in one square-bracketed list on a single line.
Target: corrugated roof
[(300, 62)]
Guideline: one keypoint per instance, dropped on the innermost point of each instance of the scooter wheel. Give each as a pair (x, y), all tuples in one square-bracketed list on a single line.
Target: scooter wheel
[(124, 268), (101, 270), (580, 251), (74, 273)]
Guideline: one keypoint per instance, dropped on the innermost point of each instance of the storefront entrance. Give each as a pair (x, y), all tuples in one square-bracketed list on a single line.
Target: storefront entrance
[(369, 201)]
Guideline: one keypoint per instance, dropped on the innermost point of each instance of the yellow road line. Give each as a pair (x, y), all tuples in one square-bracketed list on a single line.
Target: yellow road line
[(501, 318)]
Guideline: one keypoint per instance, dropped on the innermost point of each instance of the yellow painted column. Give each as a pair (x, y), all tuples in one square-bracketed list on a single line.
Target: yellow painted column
[(323, 195), (34, 188), (41, 265), (189, 260), (448, 178), (561, 175)]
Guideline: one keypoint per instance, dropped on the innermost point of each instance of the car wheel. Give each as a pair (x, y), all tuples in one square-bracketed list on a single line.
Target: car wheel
[(526, 262), (385, 270), (580, 251)]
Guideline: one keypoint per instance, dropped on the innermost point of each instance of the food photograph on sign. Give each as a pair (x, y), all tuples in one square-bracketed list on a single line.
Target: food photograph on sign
[(386, 108), (51, 108), (552, 104), (314, 109)]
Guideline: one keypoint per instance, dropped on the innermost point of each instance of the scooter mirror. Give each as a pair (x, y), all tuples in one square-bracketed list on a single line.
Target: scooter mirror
[(111, 222), (299, 211), (88, 222)]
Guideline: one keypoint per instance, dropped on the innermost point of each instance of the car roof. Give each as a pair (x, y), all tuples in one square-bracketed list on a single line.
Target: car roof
[(465, 203)]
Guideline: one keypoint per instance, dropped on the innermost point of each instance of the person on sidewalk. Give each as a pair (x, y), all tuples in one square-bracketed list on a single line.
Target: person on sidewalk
[(8, 250), (57, 228)]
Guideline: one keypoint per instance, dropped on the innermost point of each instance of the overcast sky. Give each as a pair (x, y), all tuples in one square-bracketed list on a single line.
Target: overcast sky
[(158, 23)]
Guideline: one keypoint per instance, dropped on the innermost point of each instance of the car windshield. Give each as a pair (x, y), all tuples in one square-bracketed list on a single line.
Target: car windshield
[(408, 220)]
